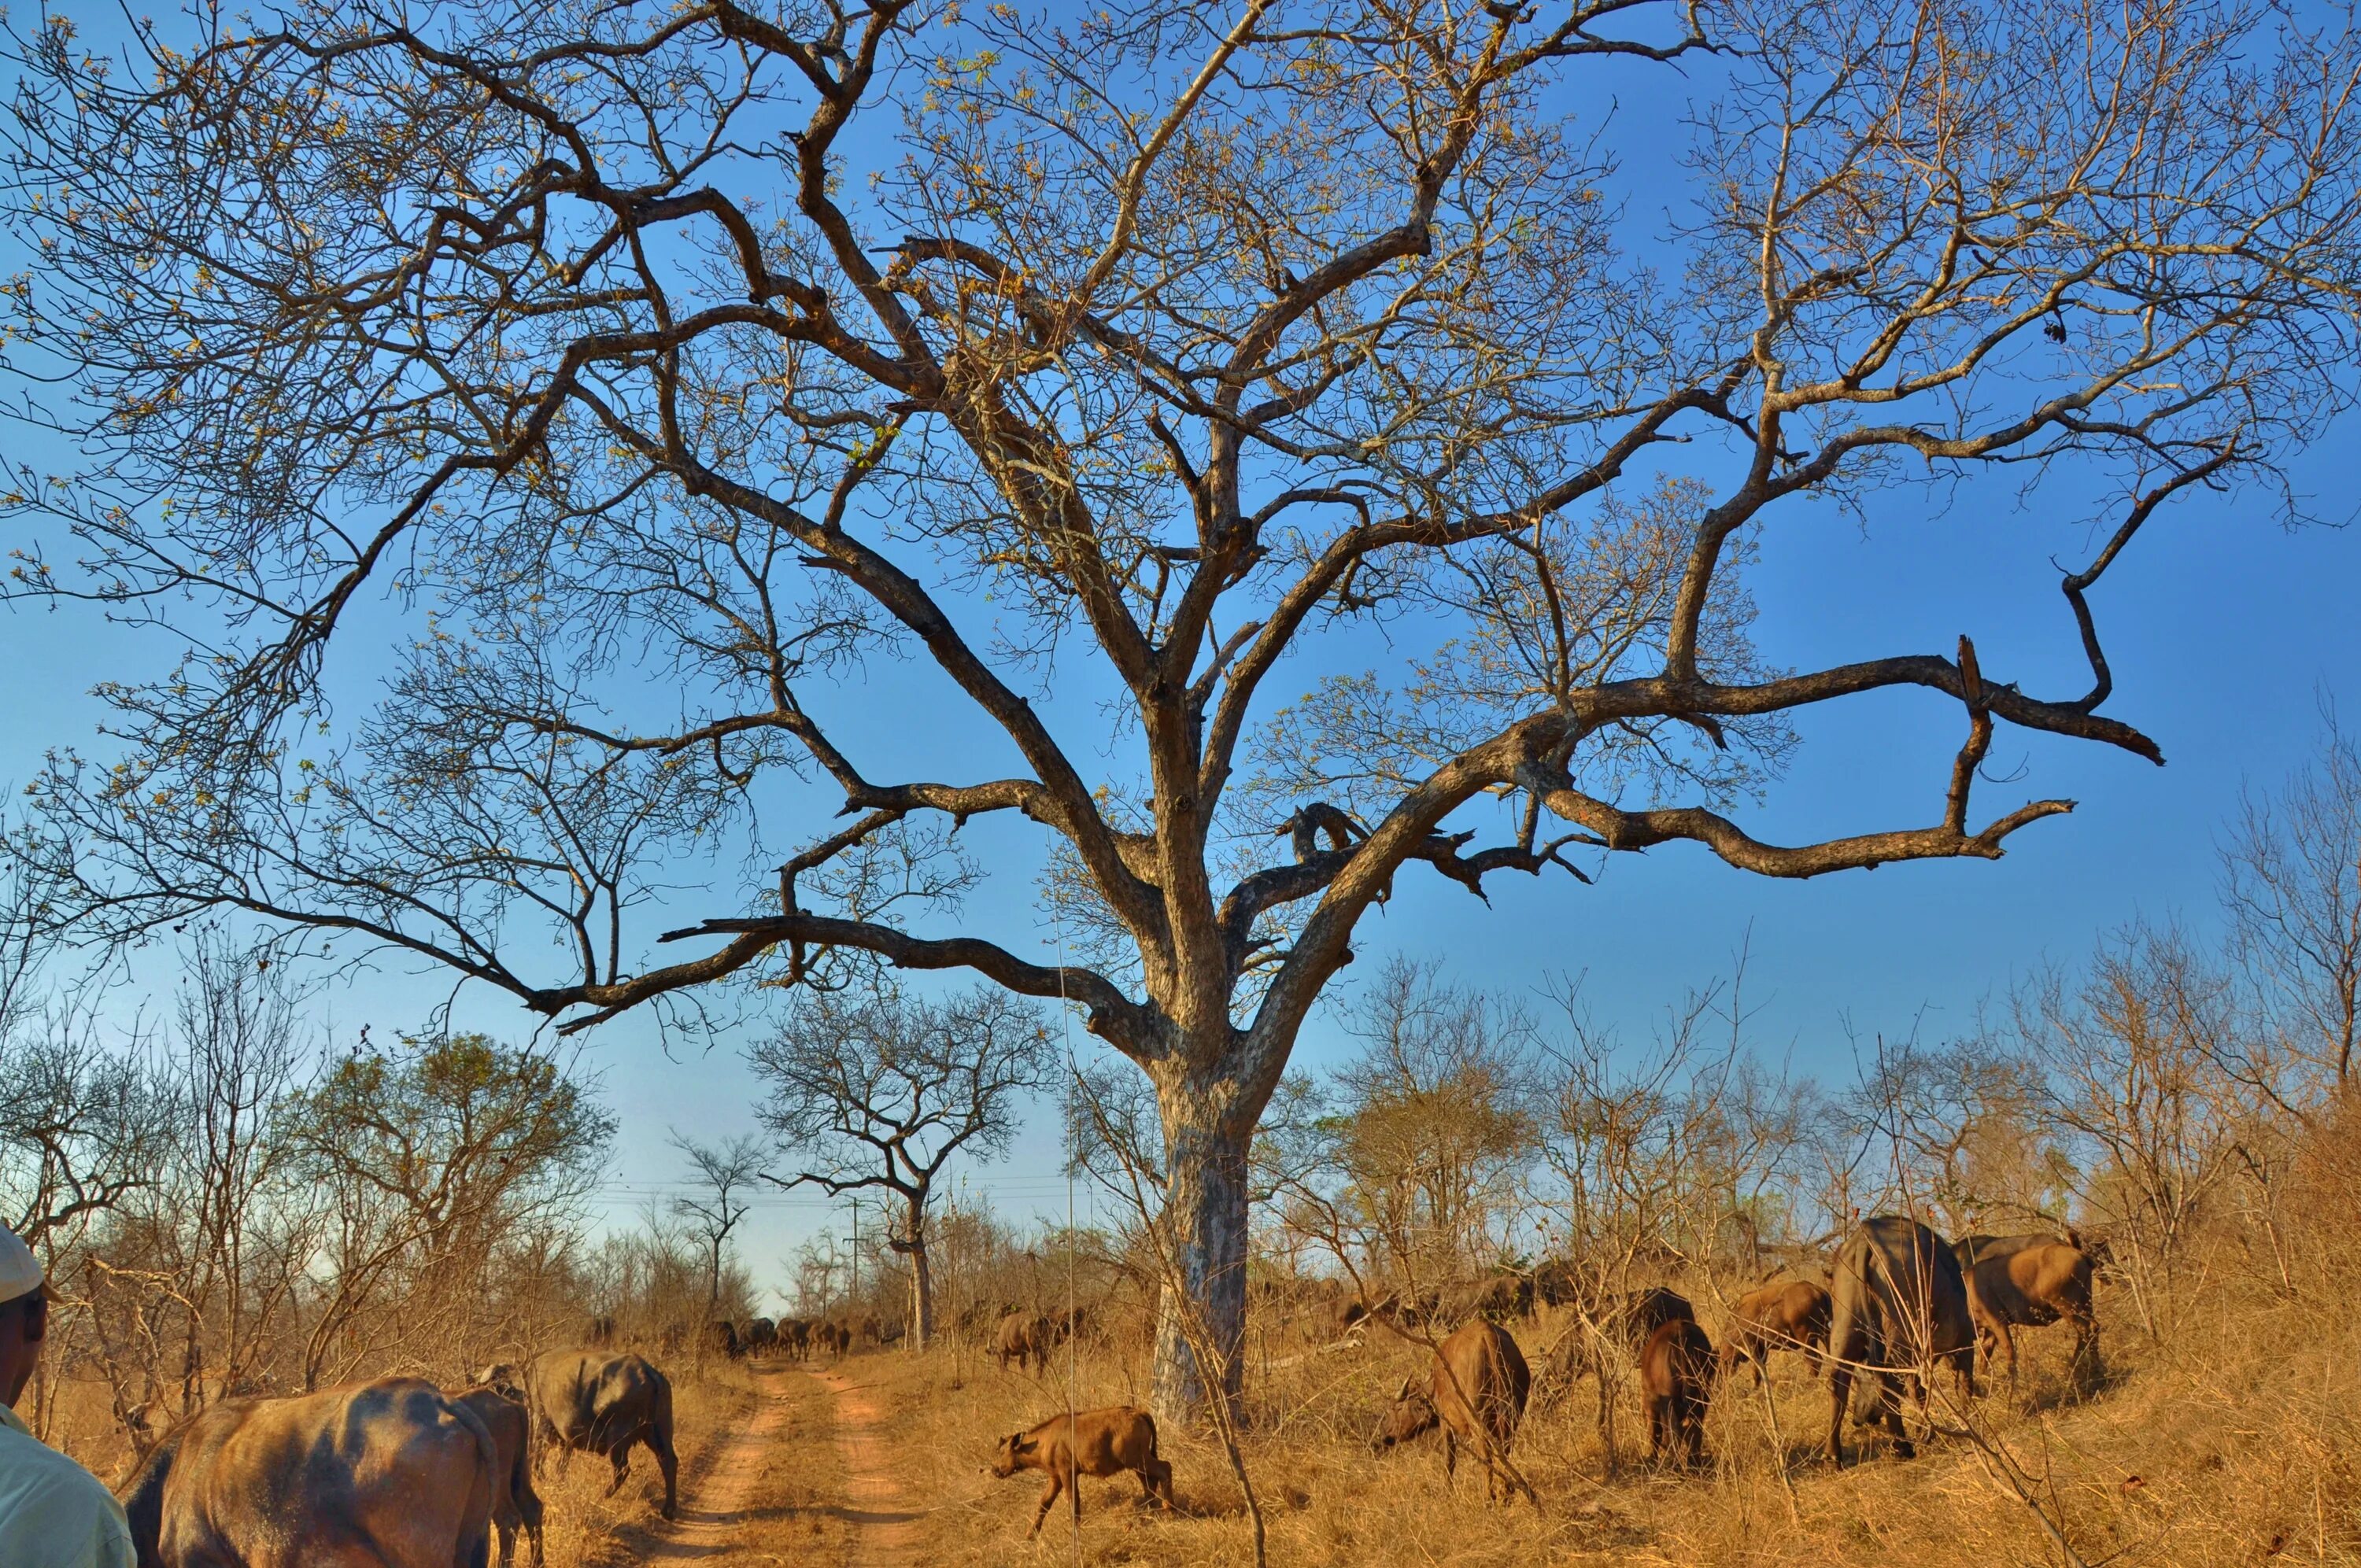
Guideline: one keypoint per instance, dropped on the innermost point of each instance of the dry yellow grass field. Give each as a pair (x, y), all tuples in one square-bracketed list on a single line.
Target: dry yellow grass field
[(2228, 1441)]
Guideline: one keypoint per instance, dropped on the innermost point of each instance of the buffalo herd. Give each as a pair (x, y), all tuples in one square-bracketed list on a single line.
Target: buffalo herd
[(1900, 1302), (399, 1473)]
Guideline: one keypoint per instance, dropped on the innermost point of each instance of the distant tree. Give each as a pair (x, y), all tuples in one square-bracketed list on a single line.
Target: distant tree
[(432, 1153), (1431, 1124), (2292, 883), (725, 1171), (877, 1091), (82, 1122), (1131, 355)]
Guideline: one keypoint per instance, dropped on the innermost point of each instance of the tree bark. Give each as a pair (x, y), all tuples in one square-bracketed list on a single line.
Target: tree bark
[(922, 1279), (1204, 1223)]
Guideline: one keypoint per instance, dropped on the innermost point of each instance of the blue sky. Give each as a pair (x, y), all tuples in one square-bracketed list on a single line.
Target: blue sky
[(2226, 630)]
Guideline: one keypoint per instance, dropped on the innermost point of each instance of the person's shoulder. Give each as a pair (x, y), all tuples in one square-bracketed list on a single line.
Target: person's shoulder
[(32, 1471)]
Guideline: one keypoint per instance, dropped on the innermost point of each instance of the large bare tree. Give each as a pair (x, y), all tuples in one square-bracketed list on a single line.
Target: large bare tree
[(630, 375)]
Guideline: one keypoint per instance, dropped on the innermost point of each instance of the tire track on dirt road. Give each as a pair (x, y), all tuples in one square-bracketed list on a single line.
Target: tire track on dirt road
[(711, 1521), (884, 1527)]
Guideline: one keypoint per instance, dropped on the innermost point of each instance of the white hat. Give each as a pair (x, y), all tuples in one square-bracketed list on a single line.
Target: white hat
[(20, 1271)]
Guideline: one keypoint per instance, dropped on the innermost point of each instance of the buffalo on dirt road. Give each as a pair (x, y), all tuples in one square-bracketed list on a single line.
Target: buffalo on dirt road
[(586, 1401), (515, 1502)]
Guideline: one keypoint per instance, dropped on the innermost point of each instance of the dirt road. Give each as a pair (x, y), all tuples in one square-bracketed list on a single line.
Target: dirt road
[(884, 1527), (710, 1518)]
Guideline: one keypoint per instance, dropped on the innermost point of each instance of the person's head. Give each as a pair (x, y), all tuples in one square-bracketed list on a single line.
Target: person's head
[(24, 1314)]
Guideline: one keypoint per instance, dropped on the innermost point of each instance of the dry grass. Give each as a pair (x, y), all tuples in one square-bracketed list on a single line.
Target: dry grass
[(2224, 1443), (2227, 1442)]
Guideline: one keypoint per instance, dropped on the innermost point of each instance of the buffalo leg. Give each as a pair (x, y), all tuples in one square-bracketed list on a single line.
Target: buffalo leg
[(507, 1527), (621, 1459), (1889, 1406), (1048, 1496), (1840, 1388), (1450, 1458), (659, 1442)]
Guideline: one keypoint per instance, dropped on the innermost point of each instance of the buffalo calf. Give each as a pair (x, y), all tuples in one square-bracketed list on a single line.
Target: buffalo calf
[(1089, 1443)]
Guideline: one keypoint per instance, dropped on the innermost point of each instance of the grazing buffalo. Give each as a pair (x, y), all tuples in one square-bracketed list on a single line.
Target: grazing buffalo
[(2030, 1288), (978, 1320), (392, 1473), (1899, 1307), (1028, 1338), (762, 1336), (1643, 1312), (1676, 1371), (1332, 1317), (1088, 1443), (1789, 1315), (1502, 1296), (587, 1402), (1630, 1320), (515, 1502), (1555, 1283), (1475, 1392)]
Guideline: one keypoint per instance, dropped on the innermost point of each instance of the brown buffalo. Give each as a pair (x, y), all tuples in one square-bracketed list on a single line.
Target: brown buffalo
[(1499, 1297), (1475, 1391), (831, 1338), (1028, 1338), (721, 1337), (1630, 1319), (600, 1332), (1676, 1372), (515, 1502), (1088, 1443), (795, 1337), (761, 1336), (1783, 1315), (591, 1402), (387, 1475), (2031, 1288), (1639, 1315), (1899, 1307)]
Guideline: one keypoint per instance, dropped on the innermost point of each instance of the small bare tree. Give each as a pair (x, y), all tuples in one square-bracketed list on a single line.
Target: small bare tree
[(2132, 1054), (877, 1093), (724, 1172), (2291, 880), (82, 1121)]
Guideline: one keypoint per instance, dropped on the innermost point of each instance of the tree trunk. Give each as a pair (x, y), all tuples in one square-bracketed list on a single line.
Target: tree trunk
[(922, 1278), (1205, 1225)]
